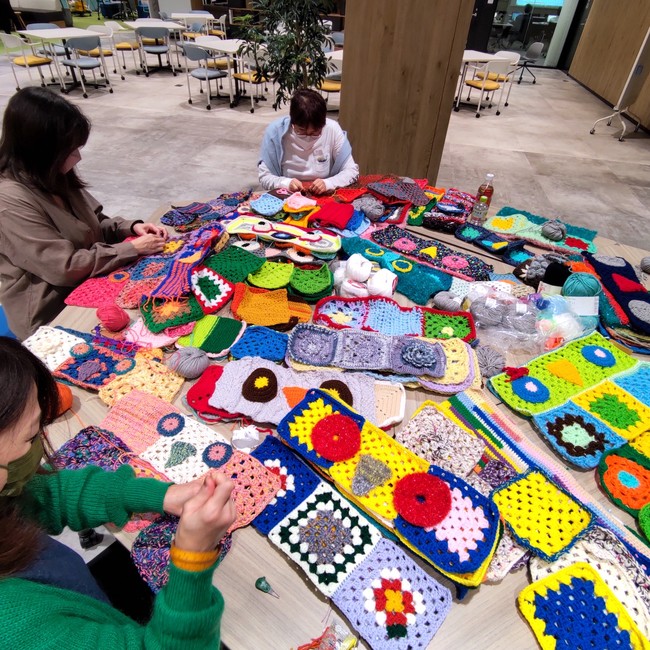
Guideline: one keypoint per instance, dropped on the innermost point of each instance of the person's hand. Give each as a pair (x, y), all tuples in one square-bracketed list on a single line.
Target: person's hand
[(178, 494), (318, 187), (206, 517), (148, 244), (295, 185), (150, 229)]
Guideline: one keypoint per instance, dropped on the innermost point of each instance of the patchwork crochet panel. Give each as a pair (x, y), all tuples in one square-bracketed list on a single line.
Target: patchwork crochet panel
[(574, 608), (415, 281), (433, 253), (326, 537), (541, 516), (391, 602), (51, 345), (524, 225), (386, 316)]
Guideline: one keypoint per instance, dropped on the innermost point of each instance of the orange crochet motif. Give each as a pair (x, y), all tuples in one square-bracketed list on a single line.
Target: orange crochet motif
[(261, 307)]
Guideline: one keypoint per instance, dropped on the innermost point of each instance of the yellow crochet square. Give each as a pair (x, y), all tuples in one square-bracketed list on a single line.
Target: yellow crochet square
[(200, 332), (620, 411), (302, 426), (642, 444), (458, 362), (528, 599), (400, 461), (541, 516)]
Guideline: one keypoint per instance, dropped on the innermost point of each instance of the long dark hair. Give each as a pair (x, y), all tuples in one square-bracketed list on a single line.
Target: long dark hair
[(19, 371), (40, 130)]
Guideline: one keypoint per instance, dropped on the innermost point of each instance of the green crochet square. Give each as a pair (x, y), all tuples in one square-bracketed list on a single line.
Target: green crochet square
[(312, 284), (272, 275), (439, 326), (222, 336), (159, 314), (234, 263)]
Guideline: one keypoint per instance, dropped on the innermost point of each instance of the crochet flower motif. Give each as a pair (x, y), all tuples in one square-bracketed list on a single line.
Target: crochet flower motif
[(287, 481), (463, 526), (419, 354), (170, 309), (394, 602), (326, 537)]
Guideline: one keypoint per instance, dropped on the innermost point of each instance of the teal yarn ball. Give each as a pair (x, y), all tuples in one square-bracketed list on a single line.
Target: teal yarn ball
[(582, 284)]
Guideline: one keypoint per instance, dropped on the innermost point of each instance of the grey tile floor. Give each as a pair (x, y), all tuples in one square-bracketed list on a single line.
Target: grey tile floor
[(149, 147)]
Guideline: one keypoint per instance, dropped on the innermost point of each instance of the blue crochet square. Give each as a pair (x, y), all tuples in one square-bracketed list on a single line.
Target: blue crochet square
[(298, 482), (258, 341), (577, 435), (151, 267), (387, 317), (637, 383), (267, 205), (435, 543)]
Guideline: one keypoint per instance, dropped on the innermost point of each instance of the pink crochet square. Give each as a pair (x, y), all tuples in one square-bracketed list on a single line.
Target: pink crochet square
[(139, 333), (95, 292), (297, 201)]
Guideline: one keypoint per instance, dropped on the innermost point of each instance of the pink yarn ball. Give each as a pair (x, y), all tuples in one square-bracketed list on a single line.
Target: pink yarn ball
[(113, 318)]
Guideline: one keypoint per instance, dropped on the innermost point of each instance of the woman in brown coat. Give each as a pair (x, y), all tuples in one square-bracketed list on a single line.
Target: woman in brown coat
[(53, 234)]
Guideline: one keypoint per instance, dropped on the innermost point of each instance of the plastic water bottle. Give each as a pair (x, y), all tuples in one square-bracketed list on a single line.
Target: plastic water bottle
[(487, 188), (479, 213)]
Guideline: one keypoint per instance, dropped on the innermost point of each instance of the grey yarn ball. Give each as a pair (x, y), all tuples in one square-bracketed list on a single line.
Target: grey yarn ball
[(370, 206), (188, 362), (490, 360), (645, 265), (554, 230), (447, 301), (521, 322), (486, 316)]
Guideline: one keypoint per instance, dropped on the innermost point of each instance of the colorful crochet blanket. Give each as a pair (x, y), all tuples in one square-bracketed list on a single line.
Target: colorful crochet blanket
[(519, 224), (433, 253), (415, 281), (425, 505), (386, 316)]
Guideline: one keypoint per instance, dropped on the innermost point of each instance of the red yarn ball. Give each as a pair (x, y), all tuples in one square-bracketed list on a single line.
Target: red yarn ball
[(113, 318), (422, 499), (336, 437)]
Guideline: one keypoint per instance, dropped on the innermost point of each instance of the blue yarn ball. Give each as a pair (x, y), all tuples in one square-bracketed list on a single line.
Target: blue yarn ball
[(582, 284)]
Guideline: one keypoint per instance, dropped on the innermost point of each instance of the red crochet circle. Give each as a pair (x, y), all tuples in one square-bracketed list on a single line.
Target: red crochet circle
[(422, 499), (336, 437)]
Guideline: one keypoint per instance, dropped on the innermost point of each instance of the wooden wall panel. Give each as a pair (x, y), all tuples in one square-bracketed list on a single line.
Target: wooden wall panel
[(400, 71), (608, 46)]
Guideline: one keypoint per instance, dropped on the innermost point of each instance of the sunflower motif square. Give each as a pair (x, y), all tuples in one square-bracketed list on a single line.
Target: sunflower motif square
[(391, 602), (297, 482), (326, 537)]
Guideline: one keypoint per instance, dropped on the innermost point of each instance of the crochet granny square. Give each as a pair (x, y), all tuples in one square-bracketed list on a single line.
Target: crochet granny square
[(624, 474), (541, 516), (391, 602), (98, 292), (263, 342), (297, 482), (326, 537), (211, 290), (574, 608), (51, 345), (160, 313), (234, 263), (267, 205)]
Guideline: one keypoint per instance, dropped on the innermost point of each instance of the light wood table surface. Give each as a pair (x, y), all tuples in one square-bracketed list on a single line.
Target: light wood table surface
[(486, 619)]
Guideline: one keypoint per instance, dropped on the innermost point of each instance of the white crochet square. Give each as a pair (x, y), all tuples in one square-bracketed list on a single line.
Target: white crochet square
[(51, 345)]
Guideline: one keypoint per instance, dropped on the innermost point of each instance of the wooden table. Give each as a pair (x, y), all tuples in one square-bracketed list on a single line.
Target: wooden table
[(487, 619)]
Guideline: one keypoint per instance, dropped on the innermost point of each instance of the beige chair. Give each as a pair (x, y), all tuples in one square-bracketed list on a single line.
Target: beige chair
[(485, 84), (217, 27), (22, 55), (332, 82), (248, 73)]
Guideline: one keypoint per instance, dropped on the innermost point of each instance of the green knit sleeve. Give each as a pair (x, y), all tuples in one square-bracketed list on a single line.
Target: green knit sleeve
[(90, 497), (186, 616)]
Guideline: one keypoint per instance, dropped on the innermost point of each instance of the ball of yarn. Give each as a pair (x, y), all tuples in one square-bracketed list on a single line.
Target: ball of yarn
[(645, 264), (554, 230), (490, 360), (188, 362), (113, 318), (358, 268), (65, 398), (520, 321), (383, 283), (447, 301), (339, 276), (581, 285), (486, 315), (352, 289)]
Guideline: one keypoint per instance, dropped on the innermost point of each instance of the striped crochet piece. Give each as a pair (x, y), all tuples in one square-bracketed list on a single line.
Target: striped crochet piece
[(433, 253), (215, 335), (574, 608), (391, 602), (385, 315), (541, 516)]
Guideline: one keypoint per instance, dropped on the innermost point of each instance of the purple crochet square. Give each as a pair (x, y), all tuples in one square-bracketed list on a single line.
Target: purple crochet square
[(386, 582), (315, 346), (361, 350), (411, 356), (92, 446)]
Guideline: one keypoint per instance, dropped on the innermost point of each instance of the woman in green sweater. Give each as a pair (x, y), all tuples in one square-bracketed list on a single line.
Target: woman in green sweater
[(47, 595)]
